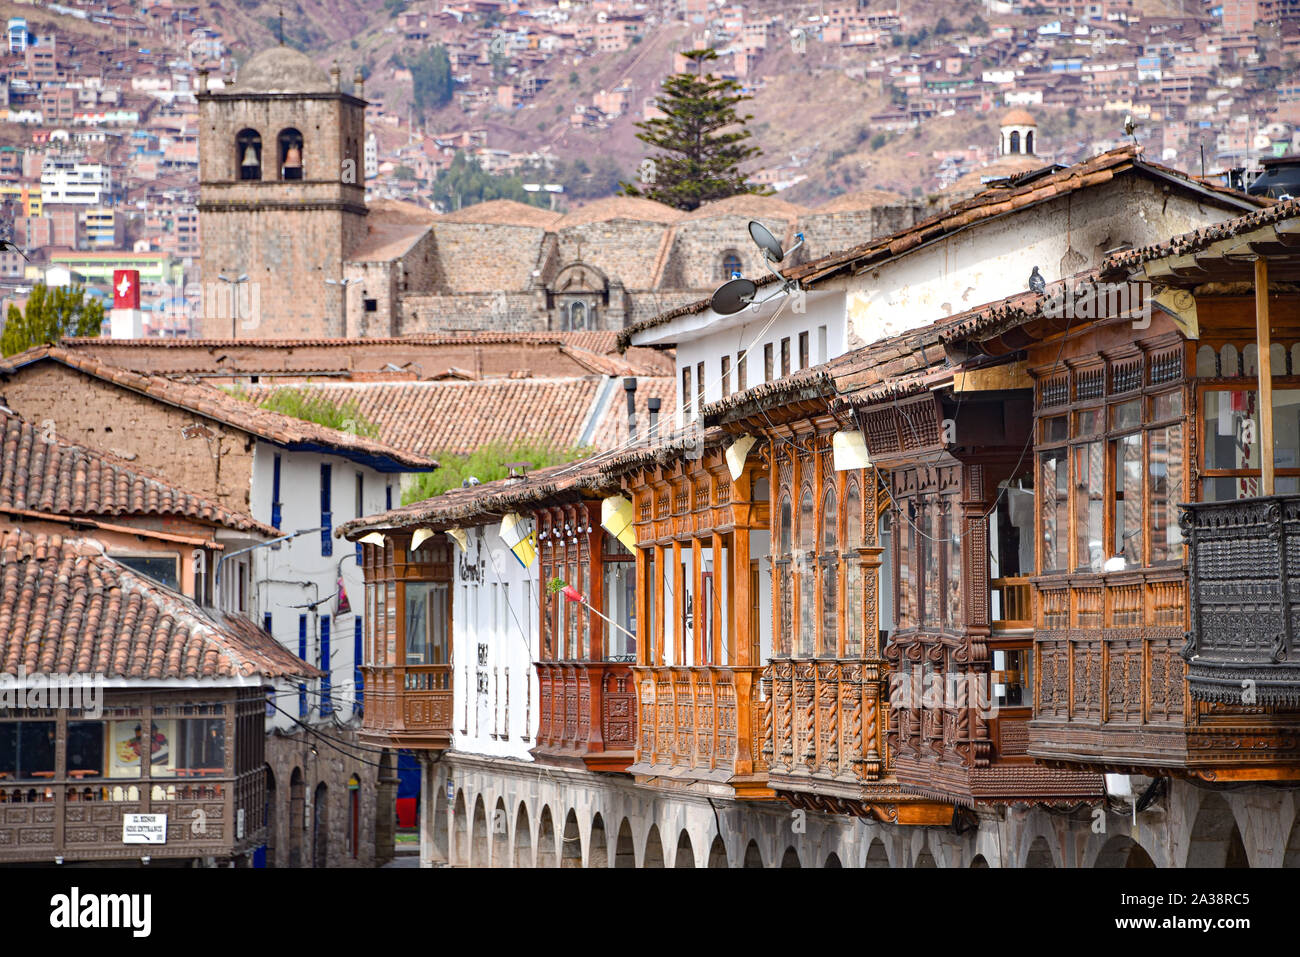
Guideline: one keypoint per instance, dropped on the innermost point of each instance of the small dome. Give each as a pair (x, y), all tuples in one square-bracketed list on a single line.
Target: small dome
[(281, 70), (1019, 117)]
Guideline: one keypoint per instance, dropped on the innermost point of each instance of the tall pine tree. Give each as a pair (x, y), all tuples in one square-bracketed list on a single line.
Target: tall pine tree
[(51, 314), (701, 140)]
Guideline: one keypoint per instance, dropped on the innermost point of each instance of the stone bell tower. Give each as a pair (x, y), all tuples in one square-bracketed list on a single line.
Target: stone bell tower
[(281, 197)]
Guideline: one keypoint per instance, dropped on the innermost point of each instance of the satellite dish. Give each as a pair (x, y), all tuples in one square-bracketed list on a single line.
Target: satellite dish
[(733, 296), (766, 242)]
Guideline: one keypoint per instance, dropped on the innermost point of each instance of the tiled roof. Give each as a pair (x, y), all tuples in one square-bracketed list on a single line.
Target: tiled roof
[(503, 212), (454, 416), (619, 207), (386, 241), (399, 211), (749, 204), (858, 200), (999, 199), (215, 404), (67, 608), (1200, 238), (480, 504), (49, 475)]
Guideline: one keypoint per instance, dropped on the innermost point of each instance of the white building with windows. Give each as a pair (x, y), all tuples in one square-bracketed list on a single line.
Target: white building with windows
[(70, 180)]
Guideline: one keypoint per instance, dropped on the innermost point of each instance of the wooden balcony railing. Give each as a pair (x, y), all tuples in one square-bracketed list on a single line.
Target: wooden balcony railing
[(823, 718), (701, 723), (409, 706), (587, 714), (81, 819), (1245, 599)]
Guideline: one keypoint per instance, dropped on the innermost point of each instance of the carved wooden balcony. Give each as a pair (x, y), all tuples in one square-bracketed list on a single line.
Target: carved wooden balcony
[(408, 707), (1241, 648), (587, 714), (700, 724)]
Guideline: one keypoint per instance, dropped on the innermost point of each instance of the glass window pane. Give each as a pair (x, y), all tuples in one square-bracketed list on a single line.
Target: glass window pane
[(906, 544), (930, 535), (1089, 506), (1012, 684), (807, 608), (807, 530), (1128, 498), (1231, 429), (202, 747), (1088, 422), (1286, 428), (953, 615), (85, 749), (854, 610), (1167, 406), (1165, 476), (830, 626), (785, 526), (1056, 429), (852, 517), (1055, 488), (162, 569), (620, 606), (1126, 415)]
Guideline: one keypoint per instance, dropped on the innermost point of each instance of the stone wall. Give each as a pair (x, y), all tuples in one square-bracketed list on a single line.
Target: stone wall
[(503, 814), (81, 408), (293, 837)]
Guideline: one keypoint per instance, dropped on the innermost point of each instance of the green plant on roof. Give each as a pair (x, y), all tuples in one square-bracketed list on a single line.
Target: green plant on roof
[(487, 463), (313, 406)]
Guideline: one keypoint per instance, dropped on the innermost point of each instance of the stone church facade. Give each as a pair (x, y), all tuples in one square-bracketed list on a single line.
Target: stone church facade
[(284, 220)]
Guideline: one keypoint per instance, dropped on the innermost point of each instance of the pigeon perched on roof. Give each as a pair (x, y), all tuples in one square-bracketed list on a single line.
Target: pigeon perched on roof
[(1036, 282)]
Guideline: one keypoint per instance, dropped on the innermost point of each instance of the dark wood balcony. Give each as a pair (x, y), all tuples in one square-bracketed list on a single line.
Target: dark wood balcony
[(408, 707), (587, 714), (1244, 605), (696, 724)]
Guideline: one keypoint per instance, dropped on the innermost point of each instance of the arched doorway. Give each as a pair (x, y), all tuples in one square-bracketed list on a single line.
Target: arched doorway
[(571, 851), (1216, 839), (523, 838), (876, 854), (500, 835), (925, 859), (753, 856), (320, 829), (624, 851), (1040, 854), (978, 861), (833, 860), (459, 829), (297, 820), (685, 853), (440, 850), (478, 855), (718, 853), (790, 858), (1292, 856), (598, 853), (1122, 851), (354, 817), (654, 849), (270, 818), (546, 839)]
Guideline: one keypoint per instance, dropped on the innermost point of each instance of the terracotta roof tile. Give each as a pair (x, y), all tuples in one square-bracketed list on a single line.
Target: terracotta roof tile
[(40, 473), (215, 404), (1016, 193), (459, 416), (66, 607)]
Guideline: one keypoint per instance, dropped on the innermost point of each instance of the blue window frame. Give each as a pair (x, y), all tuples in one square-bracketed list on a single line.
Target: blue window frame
[(326, 518), (266, 623), (326, 703), (358, 680), (388, 496), (302, 653), (275, 492)]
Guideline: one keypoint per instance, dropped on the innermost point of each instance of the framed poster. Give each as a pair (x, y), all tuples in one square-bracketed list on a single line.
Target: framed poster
[(126, 744)]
